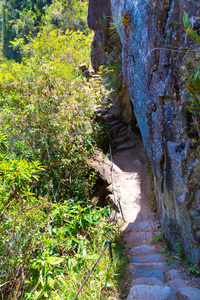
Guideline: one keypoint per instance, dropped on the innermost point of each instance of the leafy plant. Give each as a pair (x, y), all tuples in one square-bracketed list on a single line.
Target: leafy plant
[(66, 15), (192, 82), (157, 238), (120, 22), (50, 232), (178, 246), (192, 33), (51, 111), (193, 270), (111, 73)]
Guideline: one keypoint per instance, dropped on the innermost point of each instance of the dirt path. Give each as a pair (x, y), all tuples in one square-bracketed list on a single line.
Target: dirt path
[(149, 276)]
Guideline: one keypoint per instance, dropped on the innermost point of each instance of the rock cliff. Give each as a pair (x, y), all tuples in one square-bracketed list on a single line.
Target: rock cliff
[(152, 34)]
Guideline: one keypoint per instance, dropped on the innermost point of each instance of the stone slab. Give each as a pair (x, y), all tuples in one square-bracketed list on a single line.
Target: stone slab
[(178, 283), (149, 281), (151, 292), (148, 258), (162, 266), (126, 145), (137, 238), (189, 292), (142, 250), (175, 274), (138, 273), (140, 225)]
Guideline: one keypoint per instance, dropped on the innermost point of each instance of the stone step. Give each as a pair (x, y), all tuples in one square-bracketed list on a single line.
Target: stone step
[(119, 141), (126, 145), (149, 281), (142, 250), (135, 239), (122, 133), (189, 293), (141, 273), (109, 117), (96, 76), (151, 292), (139, 225), (123, 129), (114, 130), (162, 266), (175, 274), (148, 258), (177, 283), (114, 122), (96, 80)]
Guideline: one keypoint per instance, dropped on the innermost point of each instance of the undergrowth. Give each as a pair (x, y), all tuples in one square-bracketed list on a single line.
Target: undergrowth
[(50, 232), (152, 197), (192, 80)]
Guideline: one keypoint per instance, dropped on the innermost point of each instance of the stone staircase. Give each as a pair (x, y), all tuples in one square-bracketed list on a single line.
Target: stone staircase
[(152, 277), (119, 132), (89, 73)]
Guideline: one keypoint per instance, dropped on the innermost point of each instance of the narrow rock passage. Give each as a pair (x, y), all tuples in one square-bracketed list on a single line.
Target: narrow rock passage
[(152, 278), (146, 266)]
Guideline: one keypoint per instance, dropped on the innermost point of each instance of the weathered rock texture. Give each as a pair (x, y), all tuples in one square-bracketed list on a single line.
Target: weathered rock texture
[(151, 37)]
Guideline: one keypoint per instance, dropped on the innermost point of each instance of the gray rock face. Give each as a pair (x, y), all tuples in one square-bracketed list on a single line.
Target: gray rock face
[(97, 9), (152, 61)]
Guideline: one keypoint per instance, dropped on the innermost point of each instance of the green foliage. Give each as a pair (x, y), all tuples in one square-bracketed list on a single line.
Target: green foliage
[(186, 21), (192, 33), (45, 244), (120, 22), (111, 73), (50, 233), (178, 246), (193, 270), (116, 24), (157, 238), (170, 258), (47, 117), (19, 19), (192, 81), (25, 20), (66, 14)]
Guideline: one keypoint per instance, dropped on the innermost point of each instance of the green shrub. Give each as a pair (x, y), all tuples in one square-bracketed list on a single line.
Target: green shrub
[(47, 116), (192, 81), (111, 73), (50, 233)]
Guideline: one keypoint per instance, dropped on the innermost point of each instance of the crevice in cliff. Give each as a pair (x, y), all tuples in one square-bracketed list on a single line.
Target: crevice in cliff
[(151, 75), (162, 168), (167, 10), (176, 87)]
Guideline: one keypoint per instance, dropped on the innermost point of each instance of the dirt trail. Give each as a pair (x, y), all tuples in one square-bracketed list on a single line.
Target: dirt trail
[(149, 276)]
